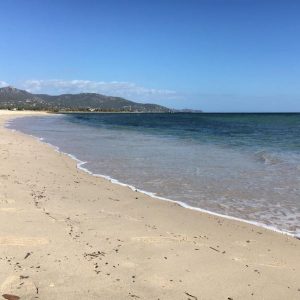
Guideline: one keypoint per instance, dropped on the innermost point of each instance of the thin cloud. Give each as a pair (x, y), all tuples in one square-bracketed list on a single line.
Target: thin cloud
[(3, 84), (113, 88)]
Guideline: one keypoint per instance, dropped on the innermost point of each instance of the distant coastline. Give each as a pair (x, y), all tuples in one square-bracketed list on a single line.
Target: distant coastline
[(15, 99)]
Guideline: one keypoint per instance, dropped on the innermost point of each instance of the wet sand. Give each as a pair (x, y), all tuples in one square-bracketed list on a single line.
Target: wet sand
[(69, 235)]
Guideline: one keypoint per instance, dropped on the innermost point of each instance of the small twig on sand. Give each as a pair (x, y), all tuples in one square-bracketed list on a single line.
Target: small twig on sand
[(214, 249), (194, 297)]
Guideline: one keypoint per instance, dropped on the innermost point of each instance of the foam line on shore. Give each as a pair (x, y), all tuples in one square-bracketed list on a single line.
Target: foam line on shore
[(81, 163)]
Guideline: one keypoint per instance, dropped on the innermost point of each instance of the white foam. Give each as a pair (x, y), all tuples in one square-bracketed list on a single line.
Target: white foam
[(81, 163)]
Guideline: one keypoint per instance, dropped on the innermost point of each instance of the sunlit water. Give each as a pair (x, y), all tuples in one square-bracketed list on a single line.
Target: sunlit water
[(241, 165)]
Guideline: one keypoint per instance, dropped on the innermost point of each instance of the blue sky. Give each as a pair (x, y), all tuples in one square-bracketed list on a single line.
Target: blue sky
[(215, 55)]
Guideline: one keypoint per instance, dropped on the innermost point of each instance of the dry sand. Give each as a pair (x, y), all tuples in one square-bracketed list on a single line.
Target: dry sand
[(65, 234)]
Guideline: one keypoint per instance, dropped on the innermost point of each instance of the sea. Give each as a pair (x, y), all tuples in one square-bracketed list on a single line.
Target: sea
[(242, 166)]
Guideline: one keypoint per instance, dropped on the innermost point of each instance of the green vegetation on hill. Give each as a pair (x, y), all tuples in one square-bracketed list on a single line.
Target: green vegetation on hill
[(12, 98)]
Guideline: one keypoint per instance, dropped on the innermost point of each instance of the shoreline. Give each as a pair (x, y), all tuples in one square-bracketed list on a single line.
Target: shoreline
[(70, 235), (80, 163)]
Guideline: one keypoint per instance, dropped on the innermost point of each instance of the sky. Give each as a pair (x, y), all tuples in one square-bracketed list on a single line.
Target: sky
[(214, 55)]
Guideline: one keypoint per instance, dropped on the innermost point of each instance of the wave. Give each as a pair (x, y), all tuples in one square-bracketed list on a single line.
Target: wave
[(267, 158)]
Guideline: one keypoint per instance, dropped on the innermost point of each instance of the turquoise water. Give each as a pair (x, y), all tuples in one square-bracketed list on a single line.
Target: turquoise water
[(241, 165)]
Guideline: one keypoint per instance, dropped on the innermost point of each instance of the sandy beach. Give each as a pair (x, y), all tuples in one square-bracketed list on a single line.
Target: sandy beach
[(68, 235)]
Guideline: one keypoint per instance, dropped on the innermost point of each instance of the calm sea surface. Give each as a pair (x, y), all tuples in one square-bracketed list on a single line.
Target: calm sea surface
[(241, 165)]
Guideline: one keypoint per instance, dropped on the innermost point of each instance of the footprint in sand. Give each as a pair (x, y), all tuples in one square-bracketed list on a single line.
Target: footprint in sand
[(18, 287), (22, 241)]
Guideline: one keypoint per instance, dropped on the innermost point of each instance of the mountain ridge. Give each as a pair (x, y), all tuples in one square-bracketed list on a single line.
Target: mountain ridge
[(17, 99)]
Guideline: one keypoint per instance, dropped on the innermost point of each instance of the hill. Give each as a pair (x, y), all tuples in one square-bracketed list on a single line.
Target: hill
[(12, 98)]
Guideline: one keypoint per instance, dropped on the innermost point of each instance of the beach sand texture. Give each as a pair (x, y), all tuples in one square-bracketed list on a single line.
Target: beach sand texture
[(65, 234)]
